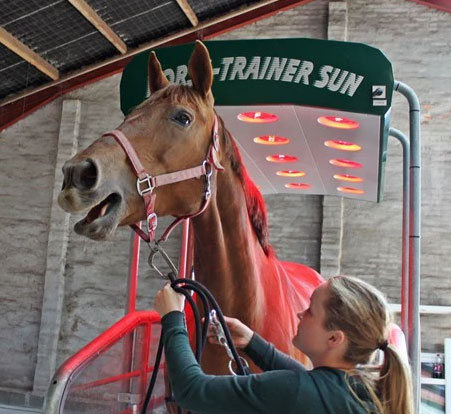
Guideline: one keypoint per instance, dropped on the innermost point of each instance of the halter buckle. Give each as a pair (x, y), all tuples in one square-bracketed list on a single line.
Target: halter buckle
[(208, 173), (148, 181), (152, 222), (208, 168)]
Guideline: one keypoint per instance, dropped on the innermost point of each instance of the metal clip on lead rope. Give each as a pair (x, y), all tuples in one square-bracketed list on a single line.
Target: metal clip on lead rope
[(156, 248), (219, 332)]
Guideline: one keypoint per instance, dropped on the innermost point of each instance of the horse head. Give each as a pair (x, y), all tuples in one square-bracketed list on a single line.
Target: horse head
[(170, 131)]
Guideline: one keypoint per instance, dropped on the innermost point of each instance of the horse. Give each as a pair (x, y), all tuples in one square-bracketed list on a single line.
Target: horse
[(172, 131)]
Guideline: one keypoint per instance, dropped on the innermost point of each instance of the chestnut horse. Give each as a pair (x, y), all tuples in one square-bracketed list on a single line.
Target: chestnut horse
[(172, 131)]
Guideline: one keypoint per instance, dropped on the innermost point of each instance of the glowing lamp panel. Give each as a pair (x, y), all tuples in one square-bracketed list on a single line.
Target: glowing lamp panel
[(307, 150), (347, 158), (276, 154)]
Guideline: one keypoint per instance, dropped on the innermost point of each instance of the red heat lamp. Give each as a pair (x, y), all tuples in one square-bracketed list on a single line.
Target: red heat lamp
[(281, 158), (290, 173), (338, 122), (345, 163), (257, 117), (271, 140), (348, 177), (342, 145), (350, 190), (298, 186)]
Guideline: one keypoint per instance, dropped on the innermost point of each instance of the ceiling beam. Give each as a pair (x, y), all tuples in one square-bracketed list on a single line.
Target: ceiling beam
[(93, 18), (27, 54), (189, 12)]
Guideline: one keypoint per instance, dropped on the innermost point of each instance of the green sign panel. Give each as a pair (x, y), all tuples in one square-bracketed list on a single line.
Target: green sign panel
[(342, 75)]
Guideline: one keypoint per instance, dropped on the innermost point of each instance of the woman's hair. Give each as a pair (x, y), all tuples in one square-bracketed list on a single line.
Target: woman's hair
[(361, 312)]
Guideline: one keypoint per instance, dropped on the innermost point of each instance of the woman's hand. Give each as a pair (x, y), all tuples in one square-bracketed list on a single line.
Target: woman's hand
[(168, 300), (241, 334)]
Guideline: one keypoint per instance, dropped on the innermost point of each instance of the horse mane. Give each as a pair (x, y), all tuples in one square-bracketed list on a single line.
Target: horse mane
[(255, 203)]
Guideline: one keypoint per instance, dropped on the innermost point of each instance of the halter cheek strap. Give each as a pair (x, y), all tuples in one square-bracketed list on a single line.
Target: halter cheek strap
[(145, 183)]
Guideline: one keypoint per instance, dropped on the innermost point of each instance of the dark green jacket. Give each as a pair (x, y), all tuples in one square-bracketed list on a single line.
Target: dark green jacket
[(285, 387)]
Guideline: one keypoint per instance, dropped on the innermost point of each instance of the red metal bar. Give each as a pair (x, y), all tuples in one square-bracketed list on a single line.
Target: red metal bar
[(142, 372), (190, 254), (121, 328), (184, 243), (145, 351), (135, 244), (115, 378)]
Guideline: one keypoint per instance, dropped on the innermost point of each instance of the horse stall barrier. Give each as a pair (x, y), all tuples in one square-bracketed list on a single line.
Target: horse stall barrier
[(97, 379)]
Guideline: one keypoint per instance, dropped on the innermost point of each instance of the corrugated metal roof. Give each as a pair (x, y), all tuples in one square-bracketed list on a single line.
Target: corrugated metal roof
[(62, 36)]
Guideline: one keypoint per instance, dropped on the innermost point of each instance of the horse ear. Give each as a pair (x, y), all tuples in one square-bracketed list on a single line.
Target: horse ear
[(157, 79), (200, 70)]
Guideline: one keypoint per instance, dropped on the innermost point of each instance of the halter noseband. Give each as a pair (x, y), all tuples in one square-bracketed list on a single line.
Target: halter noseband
[(145, 183)]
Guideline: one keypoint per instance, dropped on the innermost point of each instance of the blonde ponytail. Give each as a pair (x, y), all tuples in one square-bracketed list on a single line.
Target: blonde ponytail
[(394, 386), (361, 312)]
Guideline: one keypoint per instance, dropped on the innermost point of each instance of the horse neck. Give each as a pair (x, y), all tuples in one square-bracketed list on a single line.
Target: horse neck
[(228, 258)]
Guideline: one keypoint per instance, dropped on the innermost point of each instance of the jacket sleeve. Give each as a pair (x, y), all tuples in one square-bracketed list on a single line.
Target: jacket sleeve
[(268, 358), (268, 392)]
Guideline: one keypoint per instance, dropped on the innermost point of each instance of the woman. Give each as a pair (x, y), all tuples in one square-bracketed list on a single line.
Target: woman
[(347, 321)]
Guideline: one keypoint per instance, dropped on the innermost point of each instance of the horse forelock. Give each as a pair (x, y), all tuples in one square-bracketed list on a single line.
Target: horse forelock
[(178, 94), (255, 203)]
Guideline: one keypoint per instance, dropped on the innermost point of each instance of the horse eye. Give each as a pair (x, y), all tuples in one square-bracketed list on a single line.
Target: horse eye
[(182, 118)]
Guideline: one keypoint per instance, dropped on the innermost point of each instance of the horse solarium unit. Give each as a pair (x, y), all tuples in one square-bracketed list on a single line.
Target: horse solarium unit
[(308, 150), (309, 116)]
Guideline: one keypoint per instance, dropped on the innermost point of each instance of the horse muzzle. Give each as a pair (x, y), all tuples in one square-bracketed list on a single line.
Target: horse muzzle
[(82, 192), (102, 219)]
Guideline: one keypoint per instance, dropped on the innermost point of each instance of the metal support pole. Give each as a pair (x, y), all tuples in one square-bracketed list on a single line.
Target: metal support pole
[(405, 228), (132, 288), (132, 285), (414, 336), (184, 250)]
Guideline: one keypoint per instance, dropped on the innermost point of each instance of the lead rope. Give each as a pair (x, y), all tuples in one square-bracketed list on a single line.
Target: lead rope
[(212, 311)]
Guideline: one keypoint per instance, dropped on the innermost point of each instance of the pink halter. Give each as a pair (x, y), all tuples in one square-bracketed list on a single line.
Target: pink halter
[(145, 183)]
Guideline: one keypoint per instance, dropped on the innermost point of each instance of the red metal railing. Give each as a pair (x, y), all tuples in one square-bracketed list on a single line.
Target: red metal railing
[(102, 378)]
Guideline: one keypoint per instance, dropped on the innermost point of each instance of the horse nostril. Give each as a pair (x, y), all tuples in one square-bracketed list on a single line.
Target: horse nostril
[(84, 175)]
